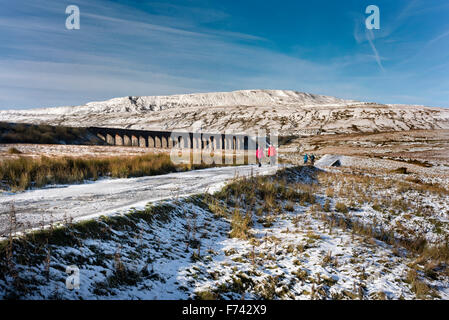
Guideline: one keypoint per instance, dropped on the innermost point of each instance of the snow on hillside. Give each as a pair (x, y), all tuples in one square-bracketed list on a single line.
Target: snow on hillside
[(289, 112), (303, 242)]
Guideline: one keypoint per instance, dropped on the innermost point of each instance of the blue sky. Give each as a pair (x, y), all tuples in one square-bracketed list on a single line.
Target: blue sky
[(134, 47)]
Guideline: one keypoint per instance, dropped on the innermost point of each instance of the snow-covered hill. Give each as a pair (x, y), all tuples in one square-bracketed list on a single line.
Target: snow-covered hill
[(289, 112)]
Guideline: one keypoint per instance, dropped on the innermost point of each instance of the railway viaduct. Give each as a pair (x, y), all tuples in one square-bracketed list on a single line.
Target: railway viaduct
[(174, 139)]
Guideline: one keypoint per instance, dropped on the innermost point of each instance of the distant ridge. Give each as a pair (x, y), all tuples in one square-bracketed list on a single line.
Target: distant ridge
[(287, 111)]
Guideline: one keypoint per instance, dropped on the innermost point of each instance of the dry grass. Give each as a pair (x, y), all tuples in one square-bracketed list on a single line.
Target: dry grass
[(420, 288), (27, 133), (401, 170), (14, 151), (240, 225), (24, 173), (341, 207)]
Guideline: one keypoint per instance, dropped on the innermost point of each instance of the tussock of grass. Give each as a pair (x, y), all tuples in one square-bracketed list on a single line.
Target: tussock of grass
[(205, 295), (341, 207), (240, 225)]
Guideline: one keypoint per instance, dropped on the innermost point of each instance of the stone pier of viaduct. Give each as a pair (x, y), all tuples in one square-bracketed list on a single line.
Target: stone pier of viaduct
[(173, 139)]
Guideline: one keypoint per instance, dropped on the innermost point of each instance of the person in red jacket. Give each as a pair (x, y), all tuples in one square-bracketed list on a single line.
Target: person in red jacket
[(259, 156), (272, 154)]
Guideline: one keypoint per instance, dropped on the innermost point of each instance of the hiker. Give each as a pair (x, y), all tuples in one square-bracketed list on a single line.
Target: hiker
[(306, 157), (259, 156), (272, 154), (312, 159)]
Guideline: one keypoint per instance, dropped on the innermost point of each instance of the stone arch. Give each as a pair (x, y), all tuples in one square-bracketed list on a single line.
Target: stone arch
[(203, 143), (126, 140), (150, 142), (142, 142), (118, 140), (218, 140), (210, 142), (195, 143), (239, 143), (134, 141), (164, 143), (157, 142), (102, 137), (189, 142), (110, 139)]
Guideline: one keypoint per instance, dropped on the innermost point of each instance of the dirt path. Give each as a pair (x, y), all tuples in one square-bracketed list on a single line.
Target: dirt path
[(35, 208)]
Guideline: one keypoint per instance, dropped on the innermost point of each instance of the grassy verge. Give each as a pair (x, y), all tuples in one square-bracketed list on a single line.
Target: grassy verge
[(38, 249), (24, 173)]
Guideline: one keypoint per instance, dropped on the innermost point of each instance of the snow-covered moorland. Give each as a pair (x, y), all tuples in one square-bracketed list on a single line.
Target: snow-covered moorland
[(288, 112), (303, 233)]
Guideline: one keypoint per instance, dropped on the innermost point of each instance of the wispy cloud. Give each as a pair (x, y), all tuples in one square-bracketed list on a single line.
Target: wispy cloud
[(370, 38), (118, 56), (437, 38), (362, 34), (122, 50)]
